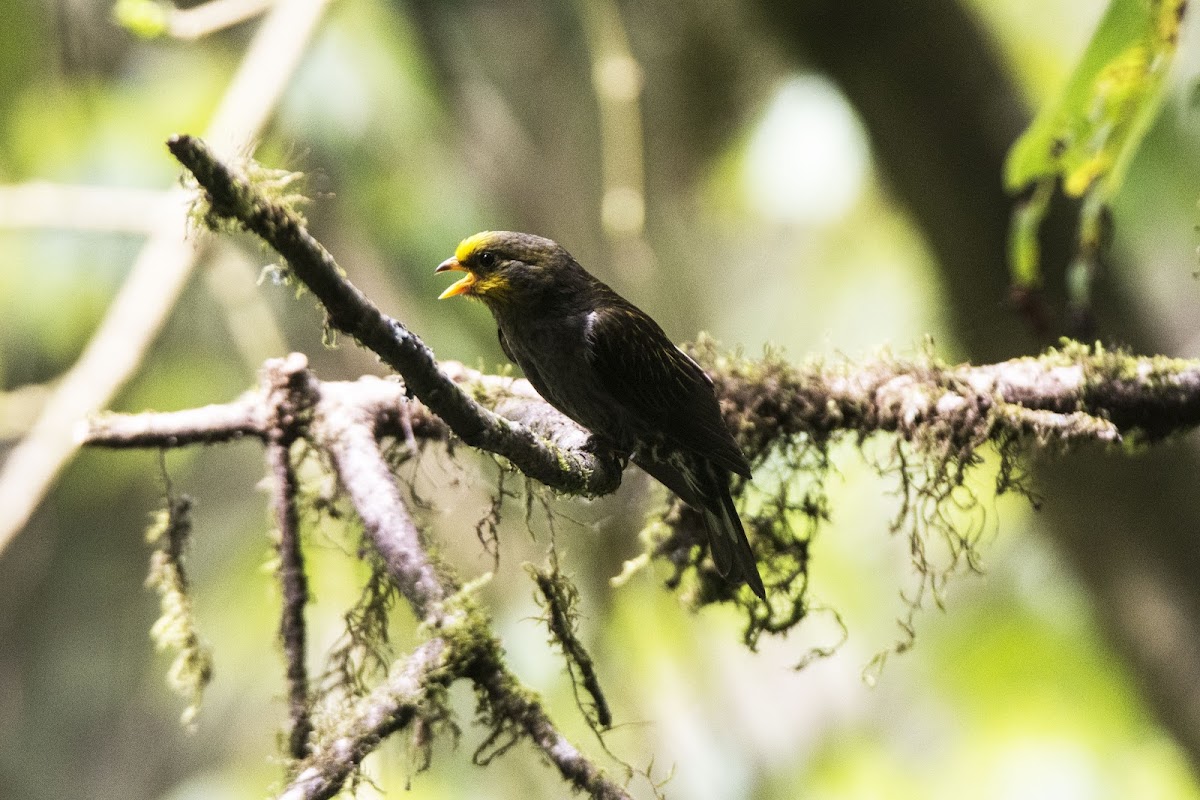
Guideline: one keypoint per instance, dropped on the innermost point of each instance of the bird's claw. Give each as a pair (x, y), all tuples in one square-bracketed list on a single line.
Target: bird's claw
[(603, 448)]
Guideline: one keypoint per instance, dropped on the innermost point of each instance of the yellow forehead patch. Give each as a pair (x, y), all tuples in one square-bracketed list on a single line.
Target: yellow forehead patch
[(470, 244)]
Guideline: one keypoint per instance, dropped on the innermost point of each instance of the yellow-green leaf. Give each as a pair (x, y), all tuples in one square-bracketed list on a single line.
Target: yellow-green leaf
[(1089, 132)]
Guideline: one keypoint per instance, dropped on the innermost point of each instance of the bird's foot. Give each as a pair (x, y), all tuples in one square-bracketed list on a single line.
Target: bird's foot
[(604, 448)]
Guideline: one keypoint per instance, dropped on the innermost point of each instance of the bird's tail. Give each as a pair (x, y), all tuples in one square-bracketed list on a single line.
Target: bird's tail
[(705, 487), (727, 540)]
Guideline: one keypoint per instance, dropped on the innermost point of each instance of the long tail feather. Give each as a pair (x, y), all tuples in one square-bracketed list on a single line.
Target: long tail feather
[(705, 487), (721, 546), (727, 541)]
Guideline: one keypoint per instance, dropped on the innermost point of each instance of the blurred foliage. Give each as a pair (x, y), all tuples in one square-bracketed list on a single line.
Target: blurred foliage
[(144, 18), (418, 123), (1089, 134), (1084, 141)]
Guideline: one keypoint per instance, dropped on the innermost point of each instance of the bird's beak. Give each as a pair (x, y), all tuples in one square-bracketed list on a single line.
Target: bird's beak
[(461, 286)]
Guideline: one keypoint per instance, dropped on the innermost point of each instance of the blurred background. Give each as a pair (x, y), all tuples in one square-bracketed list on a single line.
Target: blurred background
[(820, 176)]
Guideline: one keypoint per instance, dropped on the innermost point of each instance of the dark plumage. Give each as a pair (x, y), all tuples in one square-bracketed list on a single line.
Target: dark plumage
[(607, 365)]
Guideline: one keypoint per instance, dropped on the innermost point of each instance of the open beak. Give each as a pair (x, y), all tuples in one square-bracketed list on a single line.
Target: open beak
[(461, 286)]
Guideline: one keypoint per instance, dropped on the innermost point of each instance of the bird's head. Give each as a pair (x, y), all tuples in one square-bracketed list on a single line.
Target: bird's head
[(508, 270)]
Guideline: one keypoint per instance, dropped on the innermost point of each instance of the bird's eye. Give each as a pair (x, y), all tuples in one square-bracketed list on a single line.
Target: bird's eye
[(487, 259)]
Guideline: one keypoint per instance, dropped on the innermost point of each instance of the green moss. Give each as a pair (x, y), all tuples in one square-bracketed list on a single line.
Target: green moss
[(559, 600), (175, 629), (787, 418), (363, 652), (263, 188)]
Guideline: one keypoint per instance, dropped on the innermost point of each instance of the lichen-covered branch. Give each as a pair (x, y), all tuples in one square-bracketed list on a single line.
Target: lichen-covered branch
[(390, 707), (464, 648), (231, 196), (349, 435), (1072, 394), (945, 412), (345, 421), (209, 424), (350, 440), (939, 414), (1089, 395)]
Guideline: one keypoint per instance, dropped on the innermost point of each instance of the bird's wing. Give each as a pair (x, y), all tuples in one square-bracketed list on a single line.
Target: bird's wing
[(504, 345), (659, 384)]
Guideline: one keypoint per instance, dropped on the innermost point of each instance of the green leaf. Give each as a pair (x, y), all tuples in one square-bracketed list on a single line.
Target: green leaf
[(1088, 134)]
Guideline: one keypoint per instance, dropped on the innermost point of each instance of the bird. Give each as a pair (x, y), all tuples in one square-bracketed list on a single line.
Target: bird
[(610, 367)]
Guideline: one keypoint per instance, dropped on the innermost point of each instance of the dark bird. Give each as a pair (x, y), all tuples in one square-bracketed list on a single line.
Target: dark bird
[(604, 363)]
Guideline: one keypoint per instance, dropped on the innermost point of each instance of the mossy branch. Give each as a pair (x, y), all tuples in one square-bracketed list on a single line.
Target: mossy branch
[(559, 597), (939, 415), (229, 195), (345, 422), (175, 629), (1068, 395), (390, 707)]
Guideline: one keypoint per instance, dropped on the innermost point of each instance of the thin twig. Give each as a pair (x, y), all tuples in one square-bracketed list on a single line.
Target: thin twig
[(294, 583), (529, 715), (560, 598)]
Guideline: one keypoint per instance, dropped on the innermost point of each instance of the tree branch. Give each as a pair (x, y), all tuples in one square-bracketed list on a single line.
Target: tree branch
[(294, 582), (363, 473), (390, 707), (1064, 396), (210, 424), (231, 196), (1070, 395), (1074, 394), (283, 432), (346, 420)]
